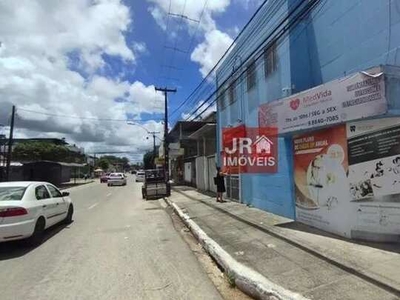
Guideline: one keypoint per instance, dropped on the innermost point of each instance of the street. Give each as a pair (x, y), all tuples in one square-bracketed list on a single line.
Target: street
[(118, 247)]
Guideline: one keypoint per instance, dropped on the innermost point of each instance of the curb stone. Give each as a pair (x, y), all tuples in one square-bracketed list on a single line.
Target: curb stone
[(289, 238), (246, 279)]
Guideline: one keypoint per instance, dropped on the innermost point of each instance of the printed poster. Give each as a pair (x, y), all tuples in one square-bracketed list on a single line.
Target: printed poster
[(374, 175), (320, 175), (347, 178)]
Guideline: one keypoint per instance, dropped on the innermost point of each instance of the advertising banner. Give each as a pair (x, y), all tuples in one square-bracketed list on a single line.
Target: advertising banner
[(374, 174), (320, 175), (250, 150), (347, 178), (354, 97)]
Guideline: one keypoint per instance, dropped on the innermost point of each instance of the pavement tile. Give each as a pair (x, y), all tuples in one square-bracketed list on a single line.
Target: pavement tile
[(349, 288), (289, 266)]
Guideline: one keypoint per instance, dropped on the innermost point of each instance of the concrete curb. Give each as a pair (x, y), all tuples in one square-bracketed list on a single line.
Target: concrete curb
[(365, 275), (246, 279)]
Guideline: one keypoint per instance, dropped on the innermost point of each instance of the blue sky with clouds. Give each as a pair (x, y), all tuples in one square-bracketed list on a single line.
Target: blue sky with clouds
[(79, 68)]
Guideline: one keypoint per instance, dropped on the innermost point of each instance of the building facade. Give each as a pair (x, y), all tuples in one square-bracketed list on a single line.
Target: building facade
[(290, 50)]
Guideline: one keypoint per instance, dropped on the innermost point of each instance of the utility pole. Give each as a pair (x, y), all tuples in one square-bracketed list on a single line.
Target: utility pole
[(153, 133), (166, 157), (10, 142)]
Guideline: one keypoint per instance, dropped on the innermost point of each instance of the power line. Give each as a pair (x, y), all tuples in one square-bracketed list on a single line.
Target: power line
[(302, 13), (84, 118), (222, 57)]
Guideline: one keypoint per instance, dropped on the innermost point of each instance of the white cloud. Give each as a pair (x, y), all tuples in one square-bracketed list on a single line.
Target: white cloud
[(192, 9), (145, 99), (203, 110), (139, 48), (215, 43), (40, 41), (209, 52)]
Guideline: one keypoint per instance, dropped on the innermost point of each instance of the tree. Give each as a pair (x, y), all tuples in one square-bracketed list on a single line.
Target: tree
[(35, 151), (148, 160), (103, 163)]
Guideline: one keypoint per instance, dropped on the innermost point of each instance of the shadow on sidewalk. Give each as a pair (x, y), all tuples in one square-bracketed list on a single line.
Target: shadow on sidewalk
[(296, 226)]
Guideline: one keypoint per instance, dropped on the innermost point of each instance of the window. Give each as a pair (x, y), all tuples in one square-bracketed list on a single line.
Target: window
[(41, 193), (251, 75), (12, 193), (55, 193), (232, 92), (270, 59)]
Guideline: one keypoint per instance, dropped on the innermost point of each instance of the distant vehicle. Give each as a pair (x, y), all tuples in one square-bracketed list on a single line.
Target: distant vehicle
[(116, 179), (140, 176), (104, 178), (28, 208)]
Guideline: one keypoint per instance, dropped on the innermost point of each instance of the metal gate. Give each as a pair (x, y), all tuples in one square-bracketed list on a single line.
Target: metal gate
[(233, 187)]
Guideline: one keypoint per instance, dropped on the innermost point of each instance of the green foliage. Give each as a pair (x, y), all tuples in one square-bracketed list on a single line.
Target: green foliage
[(103, 163), (230, 277), (36, 151), (106, 161), (148, 160)]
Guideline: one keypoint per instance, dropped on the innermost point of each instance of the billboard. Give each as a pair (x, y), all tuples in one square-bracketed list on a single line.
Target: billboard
[(354, 97), (347, 178), (320, 176)]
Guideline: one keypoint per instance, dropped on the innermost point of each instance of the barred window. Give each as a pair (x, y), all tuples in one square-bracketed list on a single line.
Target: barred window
[(251, 75), (270, 59)]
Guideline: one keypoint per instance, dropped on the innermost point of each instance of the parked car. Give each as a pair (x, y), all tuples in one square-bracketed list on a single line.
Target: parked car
[(27, 209), (104, 178), (140, 175), (116, 179)]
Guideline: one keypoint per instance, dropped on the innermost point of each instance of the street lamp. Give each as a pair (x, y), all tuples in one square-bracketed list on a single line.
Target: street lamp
[(153, 133)]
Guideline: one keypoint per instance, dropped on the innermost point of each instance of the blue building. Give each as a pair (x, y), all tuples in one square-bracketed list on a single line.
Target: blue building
[(291, 46)]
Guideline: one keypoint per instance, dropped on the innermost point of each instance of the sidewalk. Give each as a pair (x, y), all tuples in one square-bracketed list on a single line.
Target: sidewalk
[(301, 259)]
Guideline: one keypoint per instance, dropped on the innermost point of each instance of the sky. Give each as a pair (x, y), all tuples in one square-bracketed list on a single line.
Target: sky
[(81, 69)]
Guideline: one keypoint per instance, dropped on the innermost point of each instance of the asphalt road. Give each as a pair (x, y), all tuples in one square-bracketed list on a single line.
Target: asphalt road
[(118, 247)]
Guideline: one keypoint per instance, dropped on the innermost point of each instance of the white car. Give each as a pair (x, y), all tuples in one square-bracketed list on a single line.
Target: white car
[(139, 176), (28, 208), (116, 179)]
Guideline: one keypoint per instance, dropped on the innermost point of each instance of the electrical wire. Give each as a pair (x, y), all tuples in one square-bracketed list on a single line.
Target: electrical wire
[(85, 118), (253, 28), (308, 8), (222, 57)]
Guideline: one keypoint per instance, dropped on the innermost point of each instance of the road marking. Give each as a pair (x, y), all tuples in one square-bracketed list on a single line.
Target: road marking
[(93, 206), (108, 195)]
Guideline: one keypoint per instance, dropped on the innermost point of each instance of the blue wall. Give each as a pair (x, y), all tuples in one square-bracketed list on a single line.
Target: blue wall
[(339, 37), (343, 37)]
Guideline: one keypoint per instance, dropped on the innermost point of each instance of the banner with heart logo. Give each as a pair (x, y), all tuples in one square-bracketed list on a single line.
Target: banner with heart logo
[(354, 97)]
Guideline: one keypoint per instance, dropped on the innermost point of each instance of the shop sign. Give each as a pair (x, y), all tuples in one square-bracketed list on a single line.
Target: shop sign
[(159, 161), (176, 152), (354, 97), (250, 150)]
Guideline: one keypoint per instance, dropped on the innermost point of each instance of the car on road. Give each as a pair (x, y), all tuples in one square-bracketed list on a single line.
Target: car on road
[(104, 178), (28, 208), (140, 175), (116, 179)]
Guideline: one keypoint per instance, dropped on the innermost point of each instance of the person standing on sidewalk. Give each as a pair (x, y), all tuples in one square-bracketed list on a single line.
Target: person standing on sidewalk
[(220, 183)]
